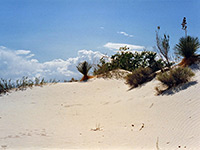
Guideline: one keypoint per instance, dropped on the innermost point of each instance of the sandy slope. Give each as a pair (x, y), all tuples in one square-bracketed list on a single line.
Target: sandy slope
[(100, 114)]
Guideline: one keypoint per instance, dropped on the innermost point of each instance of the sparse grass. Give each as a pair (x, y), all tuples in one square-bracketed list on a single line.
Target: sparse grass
[(174, 77), (139, 76), (22, 84)]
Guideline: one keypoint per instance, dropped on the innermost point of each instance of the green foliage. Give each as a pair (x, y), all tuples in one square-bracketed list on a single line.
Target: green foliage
[(102, 68), (139, 76), (187, 46), (130, 61), (175, 76), (84, 68)]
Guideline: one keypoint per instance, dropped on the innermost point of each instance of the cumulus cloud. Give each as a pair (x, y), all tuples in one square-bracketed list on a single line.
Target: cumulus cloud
[(125, 34), (116, 46), (16, 64)]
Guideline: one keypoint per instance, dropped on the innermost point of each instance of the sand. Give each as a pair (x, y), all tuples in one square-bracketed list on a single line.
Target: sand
[(101, 114)]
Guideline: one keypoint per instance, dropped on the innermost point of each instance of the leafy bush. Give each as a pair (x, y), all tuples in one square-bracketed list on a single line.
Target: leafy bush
[(139, 76), (175, 76), (130, 61)]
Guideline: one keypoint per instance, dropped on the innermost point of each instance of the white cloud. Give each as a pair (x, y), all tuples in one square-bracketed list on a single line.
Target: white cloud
[(102, 28), (22, 52), (116, 46), (15, 65), (31, 55), (125, 34)]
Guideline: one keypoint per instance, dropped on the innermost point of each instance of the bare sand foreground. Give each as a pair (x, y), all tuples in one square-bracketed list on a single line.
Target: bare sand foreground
[(100, 114)]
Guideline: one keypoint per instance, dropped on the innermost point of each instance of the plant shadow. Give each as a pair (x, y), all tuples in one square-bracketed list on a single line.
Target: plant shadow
[(179, 88), (139, 86), (195, 67)]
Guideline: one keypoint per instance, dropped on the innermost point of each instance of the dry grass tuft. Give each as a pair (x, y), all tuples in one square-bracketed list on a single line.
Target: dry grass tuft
[(174, 77), (139, 76)]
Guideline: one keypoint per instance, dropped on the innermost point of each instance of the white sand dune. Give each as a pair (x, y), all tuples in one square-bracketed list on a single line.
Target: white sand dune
[(100, 114)]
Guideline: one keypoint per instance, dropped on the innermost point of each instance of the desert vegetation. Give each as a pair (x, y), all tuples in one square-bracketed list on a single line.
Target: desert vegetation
[(22, 84), (139, 76), (142, 66), (163, 48), (130, 61), (145, 64), (174, 77), (84, 68), (187, 48)]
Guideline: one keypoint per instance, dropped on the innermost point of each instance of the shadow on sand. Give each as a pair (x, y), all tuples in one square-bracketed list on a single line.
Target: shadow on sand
[(179, 88)]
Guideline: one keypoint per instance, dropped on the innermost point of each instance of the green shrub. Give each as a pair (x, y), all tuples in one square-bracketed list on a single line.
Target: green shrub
[(129, 61), (139, 76), (102, 67), (175, 76)]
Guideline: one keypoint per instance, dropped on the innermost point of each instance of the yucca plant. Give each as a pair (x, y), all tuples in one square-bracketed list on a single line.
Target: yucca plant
[(187, 48), (84, 68)]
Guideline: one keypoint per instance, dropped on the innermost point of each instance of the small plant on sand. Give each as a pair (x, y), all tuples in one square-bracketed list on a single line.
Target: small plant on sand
[(139, 76), (97, 128), (174, 77), (187, 48), (84, 68)]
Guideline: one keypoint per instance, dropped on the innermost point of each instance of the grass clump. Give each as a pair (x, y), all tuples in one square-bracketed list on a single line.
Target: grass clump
[(174, 77), (139, 76)]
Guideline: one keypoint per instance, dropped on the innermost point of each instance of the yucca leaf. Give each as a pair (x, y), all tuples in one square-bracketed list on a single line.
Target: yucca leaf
[(84, 67)]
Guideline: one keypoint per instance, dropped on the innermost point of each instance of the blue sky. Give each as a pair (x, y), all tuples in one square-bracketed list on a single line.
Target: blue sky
[(59, 29)]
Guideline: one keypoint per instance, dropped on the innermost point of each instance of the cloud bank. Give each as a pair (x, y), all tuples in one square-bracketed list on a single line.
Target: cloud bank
[(14, 64), (116, 46)]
